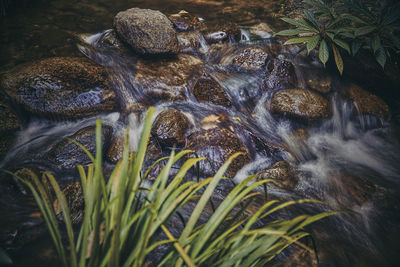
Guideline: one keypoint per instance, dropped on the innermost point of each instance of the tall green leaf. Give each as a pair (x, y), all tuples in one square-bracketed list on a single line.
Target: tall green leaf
[(323, 52)]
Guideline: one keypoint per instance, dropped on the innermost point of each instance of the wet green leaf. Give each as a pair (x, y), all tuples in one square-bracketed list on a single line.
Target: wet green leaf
[(323, 52)]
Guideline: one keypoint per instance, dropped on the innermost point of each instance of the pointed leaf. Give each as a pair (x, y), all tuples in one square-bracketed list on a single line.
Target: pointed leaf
[(323, 52), (312, 43), (338, 59)]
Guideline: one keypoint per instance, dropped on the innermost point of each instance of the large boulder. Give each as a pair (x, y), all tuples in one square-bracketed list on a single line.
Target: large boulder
[(170, 128), (252, 58), (66, 154), (207, 89), (61, 88), (146, 31), (302, 104), (365, 102), (166, 79), (217, 145), (281, 75)]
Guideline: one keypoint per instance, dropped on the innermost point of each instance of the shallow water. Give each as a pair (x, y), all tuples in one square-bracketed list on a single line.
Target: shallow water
[(345, 147)]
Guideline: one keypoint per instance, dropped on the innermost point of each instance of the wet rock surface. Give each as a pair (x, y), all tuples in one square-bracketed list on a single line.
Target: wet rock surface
[(281, 75), (207, 89), (170, 128), (66, 154), (364, 101), (303, 104), (318, 80), (282, 175), (190, 41), (8, 119), (217, 145), (61, 88), (167, 79), (251, 58), (184, 21), (222, 32), (146, 31), (74, 196)]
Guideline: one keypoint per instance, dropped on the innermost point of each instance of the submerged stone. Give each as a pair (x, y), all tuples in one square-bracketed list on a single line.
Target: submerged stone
[(61, 87), (217, 145), (207, 89), (170, 128), (166, 79), (303, 104), (146, 31)]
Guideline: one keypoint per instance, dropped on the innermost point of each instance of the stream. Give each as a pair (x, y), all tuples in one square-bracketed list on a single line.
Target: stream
[(340, 151)]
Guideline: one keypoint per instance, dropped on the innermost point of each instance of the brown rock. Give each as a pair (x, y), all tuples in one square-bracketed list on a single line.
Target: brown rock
[(303, 104), (217, 145), (189, 41), (252, 58), (167, 79), (223, 32), (207, 89), (75, 200), (8, 119), (146, 31), (114, 152), (281, 75), (318, 80), (365, 102), (281, 174), (184, 21), (61, 87), (170, 128)]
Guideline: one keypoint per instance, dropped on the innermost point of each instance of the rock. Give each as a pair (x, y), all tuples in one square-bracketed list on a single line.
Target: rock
[(365, 102), (303, 104), (262, 30), (184, 21), (75, 200), (114, 152), (281, 75), (355, 190), (300, 257), (318, 80), (6, 143), (217, 145), (166, 79), (66, 154), (224, 32), (190, 41), (146, 31), (61, 87), (281, 174), (170, 128), (252, 58), (8, 119), (207, 89)]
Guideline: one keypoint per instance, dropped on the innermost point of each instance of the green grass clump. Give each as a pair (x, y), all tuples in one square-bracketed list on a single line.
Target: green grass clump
[(123, 221)]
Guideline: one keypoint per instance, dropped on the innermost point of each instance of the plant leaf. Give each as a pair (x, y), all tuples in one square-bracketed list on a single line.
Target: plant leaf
[(380, 56), (297, 40), (312, 43), (342, 44), (338, 59), (291, 32), (323, 52), (364, 30)]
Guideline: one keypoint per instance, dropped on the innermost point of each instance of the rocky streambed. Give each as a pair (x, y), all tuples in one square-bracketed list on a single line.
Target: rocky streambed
[(218, 89)]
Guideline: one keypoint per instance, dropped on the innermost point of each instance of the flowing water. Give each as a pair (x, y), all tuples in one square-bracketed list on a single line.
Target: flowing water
[(349, 161)]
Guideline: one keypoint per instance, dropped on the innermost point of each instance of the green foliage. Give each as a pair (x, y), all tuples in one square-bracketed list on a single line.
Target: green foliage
[(4, 258), (123, 220), (348, 25)]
